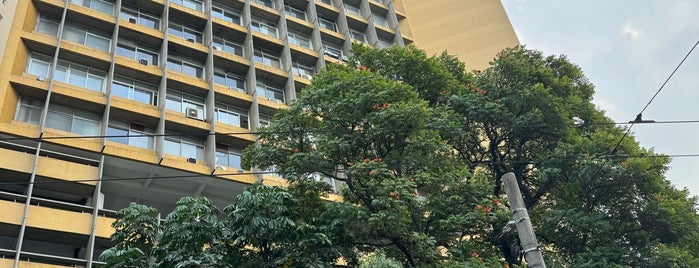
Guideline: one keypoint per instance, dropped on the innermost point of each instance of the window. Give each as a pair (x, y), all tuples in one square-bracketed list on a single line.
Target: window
[(135, 90), (130, 133), (294, 12), (303, 70), (183, 146), (267, 3), (178, 101), (140, 16), (103, 6), (270, 92), (265, 119), (332, 50), (299, 39), (86, 36), (193, 4), (227, 156), (329, 2), (229, 46), (138, 52), (327, 24), (357, 35), (60, 117), (232, 81), (231, 115), (266, 57), (182, 30), (225, 13), (185, 66), (47, 25), (263, 26), (383, 43), (39, 65), (80, 75), (352, 10), (379, 19)]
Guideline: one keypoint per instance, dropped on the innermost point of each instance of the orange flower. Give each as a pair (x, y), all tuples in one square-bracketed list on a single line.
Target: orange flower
[(366, 160), (296, 150), (378, 159), (478, 206), (373, 173)]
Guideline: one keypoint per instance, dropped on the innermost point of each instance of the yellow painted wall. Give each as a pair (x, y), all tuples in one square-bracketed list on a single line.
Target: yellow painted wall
[(474, 30)]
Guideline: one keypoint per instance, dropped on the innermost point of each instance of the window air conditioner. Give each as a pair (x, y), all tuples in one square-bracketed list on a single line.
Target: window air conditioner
[(193, 113), (332, 54), (143, 61), (278, 101), (191, 40), (344, 58), (192, 159), (217, 48), (307, 76), (132, 20), (40, 78)]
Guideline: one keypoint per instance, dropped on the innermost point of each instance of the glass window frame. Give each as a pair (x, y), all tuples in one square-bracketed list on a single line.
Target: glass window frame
[(295, 12), (137, 50), (86, 33), (324, 23), (185, 101), (182, 141), (258, 24), (221, 11), (184, 31), (227, 76), (142, 17), (129, 130), (266, 57), (177, 60), (228, 45), (297, 38), (243, 115), (270, 92), (136, 85), (71, 71)]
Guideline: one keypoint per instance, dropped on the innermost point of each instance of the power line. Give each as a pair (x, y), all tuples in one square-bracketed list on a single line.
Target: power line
[(40, 138), (639, 118)]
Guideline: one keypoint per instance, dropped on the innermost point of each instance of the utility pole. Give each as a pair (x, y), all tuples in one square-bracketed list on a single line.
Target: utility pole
[(530, 246)]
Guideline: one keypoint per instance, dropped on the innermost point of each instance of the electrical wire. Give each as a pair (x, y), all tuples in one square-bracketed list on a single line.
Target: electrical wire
[(639, 116), (304, 131)]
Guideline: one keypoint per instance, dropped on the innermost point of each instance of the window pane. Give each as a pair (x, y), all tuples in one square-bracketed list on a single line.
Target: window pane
[(234, 160), (173, 104), (189, 150), (120, 90), (77, 77), (102, 6), (111, 131), (95, 82), (85, 127), (97, 42), (171, 147), (29, 114), (47, 27), (60, 74), (222, 158), (72, 34), (58, 121), (38, 68), (142, 96), (125, 51), (143, 141)]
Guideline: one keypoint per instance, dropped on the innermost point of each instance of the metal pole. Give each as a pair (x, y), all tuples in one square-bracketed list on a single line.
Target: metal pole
[(530, 246)]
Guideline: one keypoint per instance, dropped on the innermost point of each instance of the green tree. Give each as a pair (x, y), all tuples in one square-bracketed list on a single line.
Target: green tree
[(406, 192)]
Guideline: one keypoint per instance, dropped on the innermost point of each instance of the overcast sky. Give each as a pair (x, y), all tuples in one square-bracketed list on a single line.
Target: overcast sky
[(627, 49)]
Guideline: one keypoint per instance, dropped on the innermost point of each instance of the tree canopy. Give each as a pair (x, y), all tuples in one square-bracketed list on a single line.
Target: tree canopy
[(419, 145)]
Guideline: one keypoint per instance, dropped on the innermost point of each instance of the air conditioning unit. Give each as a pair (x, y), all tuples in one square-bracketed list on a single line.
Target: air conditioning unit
[(332, 54), (194, 113), (236, 89), (217, 48), (191, 40), (132, 20), (307, 76), (143, 61), (192, 160), (40, 78), (344, 58), (277, 101)]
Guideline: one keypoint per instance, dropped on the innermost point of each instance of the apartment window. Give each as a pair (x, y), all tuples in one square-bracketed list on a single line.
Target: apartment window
[(266, 57), (302, 70), (60, 117), (232, 81), (140, 16), (379, 19), (270, 92), (294, 12), (226, 13), (231, 115), (86, 36), (327, 24), (103, 6), (183, 146), (134, 90), (357, 35), (80, 75), (193, 4), (228, 156), (352, 10), (265, 120), (185, 65), (300, 39), (47, 25), (182, 30), (263, 26), (130, 133), (329, 2), (226, 45), (180, 102), (332, 50), (383, 43), (39, 65), (267, 3), (136, 51)]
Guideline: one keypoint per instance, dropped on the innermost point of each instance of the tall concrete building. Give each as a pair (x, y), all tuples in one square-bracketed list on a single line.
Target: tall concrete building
[(107, 102)]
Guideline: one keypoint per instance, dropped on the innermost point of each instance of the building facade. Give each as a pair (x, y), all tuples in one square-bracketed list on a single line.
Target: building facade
[(107, 102)]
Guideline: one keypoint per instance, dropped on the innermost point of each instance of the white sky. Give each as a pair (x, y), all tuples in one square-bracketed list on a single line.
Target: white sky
[(627, 49)]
